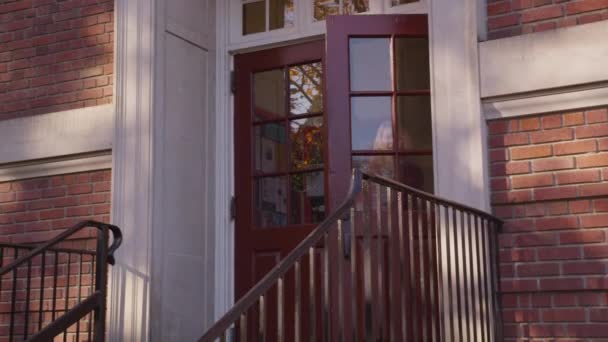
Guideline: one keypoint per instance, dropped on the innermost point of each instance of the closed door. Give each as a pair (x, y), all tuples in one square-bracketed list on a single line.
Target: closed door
[(280, 165)]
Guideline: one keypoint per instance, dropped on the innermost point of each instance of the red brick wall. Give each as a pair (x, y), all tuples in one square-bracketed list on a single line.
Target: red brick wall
[(35, 210), (55, 55), (549, 180), (515, 17)]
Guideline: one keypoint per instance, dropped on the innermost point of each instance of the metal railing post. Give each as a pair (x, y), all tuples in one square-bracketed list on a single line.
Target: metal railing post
[(99, 326)]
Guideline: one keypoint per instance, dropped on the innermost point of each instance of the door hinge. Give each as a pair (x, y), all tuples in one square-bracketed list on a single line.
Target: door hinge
[(233, 208), (232, 82)]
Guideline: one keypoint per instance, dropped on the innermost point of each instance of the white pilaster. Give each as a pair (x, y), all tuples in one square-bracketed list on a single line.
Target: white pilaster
[(458, 130), (458, 126), (132, 185), (162, 288)]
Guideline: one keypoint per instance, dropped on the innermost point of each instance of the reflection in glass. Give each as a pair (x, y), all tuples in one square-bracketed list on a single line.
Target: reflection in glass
[(412, 63), (370, 64), (371, 123), (307, 198), (270, 148), (354, 6), (281, 14), (380, 165), (306, 143), (414, 118), (254, 17), (269, 94), (401, 2), (323, 8), (306, 88), (417, 171), (270, 200)]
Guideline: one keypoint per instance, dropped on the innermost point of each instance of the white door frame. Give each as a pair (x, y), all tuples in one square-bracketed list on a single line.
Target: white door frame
[(456, 104)]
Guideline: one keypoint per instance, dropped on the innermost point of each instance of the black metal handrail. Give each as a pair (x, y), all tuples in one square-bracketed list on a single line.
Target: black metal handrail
[(441, 272), (81, 270)]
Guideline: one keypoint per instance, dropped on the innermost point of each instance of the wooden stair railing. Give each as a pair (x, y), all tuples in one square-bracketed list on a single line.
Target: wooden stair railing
[(391, 263), (50, 289)]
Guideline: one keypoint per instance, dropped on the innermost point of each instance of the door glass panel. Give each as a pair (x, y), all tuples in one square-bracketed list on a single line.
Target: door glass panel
[(412, 63), (380, 165), (306, 89), (371, 123), (254, 17), (307, 199), (370, 64), (270, 148), (323, 8), (269, 95), (414, 118), (306, 143), (270, 198), (417, 171)]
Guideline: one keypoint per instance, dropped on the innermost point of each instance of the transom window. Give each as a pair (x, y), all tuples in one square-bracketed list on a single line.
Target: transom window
[(259, 16)]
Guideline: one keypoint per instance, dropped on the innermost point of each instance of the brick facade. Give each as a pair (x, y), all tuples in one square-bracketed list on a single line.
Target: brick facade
[(549, 180), (515, 17), (34, 210), (55, 55)]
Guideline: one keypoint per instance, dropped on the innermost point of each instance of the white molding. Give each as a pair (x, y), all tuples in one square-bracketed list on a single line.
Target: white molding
[(57, 134), (53, 167), (132, 172), (572, 99), (546, 60), (224, 170)]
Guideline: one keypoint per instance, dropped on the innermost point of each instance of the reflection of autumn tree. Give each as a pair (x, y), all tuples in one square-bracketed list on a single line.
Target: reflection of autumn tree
[(306, 88), (306, 143), (323, 8), (306, 97)]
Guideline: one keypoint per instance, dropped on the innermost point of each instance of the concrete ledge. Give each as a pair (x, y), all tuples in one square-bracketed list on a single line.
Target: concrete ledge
[(571, 99), (55, 167), (546, 60), (57, 134)]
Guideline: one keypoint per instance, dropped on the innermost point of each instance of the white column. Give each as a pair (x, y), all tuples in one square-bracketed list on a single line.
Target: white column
[(459, 132), (132, 185), (162, 285), (458, 126)]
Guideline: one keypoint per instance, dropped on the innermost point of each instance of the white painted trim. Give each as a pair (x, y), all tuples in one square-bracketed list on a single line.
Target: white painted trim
[(498, 108), (57, 134), (55, 167), (545, 60), (458, 132), (224, 170)]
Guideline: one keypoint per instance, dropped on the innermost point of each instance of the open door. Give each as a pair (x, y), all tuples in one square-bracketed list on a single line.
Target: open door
[(379, 120)]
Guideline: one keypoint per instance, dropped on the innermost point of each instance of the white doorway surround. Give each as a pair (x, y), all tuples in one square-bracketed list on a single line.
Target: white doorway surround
[(162, 285), (172, 170)]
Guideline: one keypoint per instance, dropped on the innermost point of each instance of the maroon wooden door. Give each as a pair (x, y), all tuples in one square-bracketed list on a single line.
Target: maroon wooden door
[(379, 120), (280, 159)]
